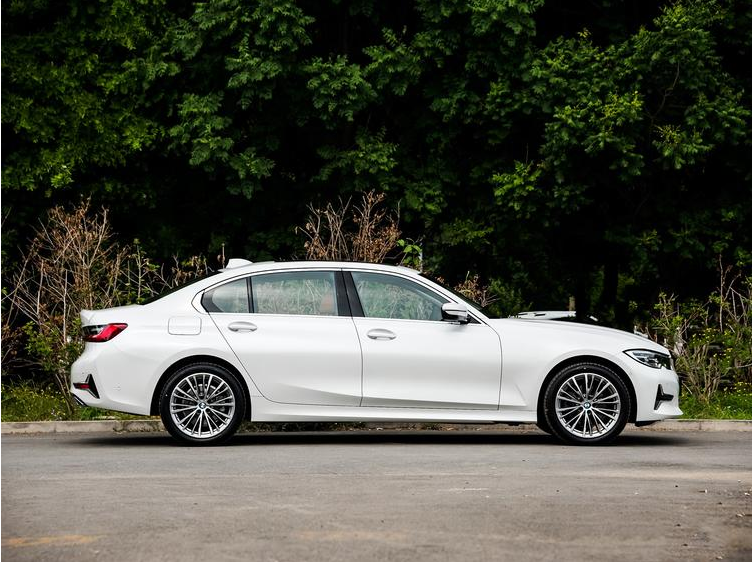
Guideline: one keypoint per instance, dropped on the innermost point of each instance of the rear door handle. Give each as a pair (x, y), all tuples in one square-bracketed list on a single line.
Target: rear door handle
[(381, 334), (242, 327)]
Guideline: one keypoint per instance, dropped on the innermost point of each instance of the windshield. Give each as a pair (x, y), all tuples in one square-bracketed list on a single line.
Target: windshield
[(487, 311)]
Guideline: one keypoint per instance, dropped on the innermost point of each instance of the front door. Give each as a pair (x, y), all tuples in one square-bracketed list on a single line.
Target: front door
[(413, 359)]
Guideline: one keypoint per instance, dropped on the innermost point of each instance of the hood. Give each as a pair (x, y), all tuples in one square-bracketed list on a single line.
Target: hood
[(571, 330)]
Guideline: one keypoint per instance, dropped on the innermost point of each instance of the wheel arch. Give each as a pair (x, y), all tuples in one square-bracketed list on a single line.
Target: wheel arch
[(598, 361), (154, 409)]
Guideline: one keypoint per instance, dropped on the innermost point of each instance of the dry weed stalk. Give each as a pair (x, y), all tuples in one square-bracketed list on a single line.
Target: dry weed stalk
[(71, 264), (331, 237), (712, 340), (74, 263), (472, 288)]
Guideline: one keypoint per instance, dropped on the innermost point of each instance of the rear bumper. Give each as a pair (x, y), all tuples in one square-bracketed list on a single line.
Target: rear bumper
[(112, 381)]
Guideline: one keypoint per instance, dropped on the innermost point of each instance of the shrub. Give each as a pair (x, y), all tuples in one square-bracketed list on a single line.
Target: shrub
[(473, 289), (72, 263), (25, 401), (712, 340), (366, 232), (733, 403)]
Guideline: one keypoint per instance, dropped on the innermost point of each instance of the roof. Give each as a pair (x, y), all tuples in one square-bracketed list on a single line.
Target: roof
[(245, 265)]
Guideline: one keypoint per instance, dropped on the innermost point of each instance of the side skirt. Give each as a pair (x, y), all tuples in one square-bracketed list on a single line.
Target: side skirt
[(263, 410)]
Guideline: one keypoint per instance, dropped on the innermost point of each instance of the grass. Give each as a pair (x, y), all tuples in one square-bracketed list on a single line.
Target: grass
[(735, 404), (26, 401)]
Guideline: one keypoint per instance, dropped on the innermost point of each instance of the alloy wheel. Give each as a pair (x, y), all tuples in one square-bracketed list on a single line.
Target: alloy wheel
[(202, 405), (588, 405)]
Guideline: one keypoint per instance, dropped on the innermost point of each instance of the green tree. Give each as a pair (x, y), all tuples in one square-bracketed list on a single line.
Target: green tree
[(73, 88), (596, 149), (636, 166)]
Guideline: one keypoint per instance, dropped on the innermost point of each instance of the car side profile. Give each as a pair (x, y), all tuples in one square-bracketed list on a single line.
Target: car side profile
[(338, 341)]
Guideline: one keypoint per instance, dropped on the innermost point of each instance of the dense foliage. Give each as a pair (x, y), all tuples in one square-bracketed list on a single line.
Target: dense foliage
[(597, 149)]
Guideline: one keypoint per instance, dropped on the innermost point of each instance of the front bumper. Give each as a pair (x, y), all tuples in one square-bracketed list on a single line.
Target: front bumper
[(652, 388)]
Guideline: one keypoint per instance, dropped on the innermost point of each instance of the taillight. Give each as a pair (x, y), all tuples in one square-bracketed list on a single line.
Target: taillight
[(103, 332)]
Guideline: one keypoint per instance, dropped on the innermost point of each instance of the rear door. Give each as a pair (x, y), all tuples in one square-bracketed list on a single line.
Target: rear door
[(293, 333)]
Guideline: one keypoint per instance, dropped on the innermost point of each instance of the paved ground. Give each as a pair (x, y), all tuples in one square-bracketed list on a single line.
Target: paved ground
[(384, 495)]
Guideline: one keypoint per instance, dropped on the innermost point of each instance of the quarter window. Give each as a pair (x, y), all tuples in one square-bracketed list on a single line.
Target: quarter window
[(388, 296), (230, 297), (295, 292)]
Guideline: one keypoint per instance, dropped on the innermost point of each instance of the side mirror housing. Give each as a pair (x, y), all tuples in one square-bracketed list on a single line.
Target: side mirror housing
[(454, 312)]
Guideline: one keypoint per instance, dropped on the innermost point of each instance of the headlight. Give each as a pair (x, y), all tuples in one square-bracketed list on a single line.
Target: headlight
[(650, 358)]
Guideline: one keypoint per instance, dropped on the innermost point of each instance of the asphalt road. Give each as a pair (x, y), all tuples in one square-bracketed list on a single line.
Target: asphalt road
[(384, 495)]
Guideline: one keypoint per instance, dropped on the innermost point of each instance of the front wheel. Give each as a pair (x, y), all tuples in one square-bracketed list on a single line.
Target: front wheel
[(202, 404), (543, 425), (586, 404)]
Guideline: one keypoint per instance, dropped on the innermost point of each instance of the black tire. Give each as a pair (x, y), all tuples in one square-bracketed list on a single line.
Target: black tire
[(543, 424), (603, 408), (206, 408)]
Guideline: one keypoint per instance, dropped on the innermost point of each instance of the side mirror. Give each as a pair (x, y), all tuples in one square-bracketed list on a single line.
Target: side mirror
[(454, 312)]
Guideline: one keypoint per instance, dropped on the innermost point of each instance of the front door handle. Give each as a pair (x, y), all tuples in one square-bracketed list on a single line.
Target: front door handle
[(242, 327), (381, 334)]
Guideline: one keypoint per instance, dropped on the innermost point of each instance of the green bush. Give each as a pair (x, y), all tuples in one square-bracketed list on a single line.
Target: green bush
[(712, 340), (727, 404), (25, 401)]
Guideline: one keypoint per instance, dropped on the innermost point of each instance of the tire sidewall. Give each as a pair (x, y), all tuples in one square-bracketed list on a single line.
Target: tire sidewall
[(216, 370), (549, 403)]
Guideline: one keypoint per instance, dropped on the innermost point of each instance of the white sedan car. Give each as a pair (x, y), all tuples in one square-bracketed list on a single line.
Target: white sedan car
[(327, 341)]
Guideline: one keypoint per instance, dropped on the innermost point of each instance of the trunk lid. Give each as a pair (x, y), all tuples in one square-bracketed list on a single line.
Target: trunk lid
[(108, 315)]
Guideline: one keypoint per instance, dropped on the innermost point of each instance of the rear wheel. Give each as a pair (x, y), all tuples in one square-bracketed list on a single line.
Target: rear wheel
[(586, 404), (202, 404)]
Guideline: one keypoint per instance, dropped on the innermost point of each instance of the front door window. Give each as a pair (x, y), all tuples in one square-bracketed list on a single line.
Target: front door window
[(388, 296)]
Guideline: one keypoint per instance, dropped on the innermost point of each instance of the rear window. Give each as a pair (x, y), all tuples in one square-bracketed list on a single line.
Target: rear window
[(163, 294)]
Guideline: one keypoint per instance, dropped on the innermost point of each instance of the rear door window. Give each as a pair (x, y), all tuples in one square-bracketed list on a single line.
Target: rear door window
[(312, 293)]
